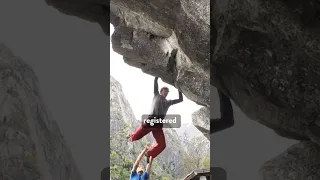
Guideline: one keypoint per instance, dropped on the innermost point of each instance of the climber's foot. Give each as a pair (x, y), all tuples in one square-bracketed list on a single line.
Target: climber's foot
[(147, 156), (128, 136)]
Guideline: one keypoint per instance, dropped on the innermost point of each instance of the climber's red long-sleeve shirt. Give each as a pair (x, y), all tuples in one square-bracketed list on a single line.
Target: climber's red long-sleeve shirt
[(160, 104)]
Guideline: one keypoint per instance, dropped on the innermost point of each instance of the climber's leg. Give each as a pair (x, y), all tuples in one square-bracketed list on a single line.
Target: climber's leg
[(139, 133), (160, 143)]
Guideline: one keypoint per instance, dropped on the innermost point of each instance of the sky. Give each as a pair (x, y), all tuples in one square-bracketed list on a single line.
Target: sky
[(138, 89)]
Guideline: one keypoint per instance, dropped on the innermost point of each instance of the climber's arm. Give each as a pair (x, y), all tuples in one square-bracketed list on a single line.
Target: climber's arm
[(136, 164), (176, 101), (226, 112), (148, 169), (156, 89)]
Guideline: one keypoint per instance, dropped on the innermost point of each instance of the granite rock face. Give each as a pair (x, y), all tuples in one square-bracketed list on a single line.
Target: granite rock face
[(120, 109), (167, 38), (201, 121), (264, 54), (300, 161), (266, 58), (32, 146)]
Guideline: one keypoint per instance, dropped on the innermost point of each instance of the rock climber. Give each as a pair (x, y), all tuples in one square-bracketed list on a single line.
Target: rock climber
[(160, 106), (226, 113), (137, 172)]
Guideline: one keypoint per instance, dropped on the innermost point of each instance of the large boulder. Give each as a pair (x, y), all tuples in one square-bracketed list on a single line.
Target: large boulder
[(300, 161), (266, 58), (168, 39), (201, 121), (264, 55)]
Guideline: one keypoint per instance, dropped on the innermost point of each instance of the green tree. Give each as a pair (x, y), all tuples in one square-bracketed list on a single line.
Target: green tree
[(197, 156), (120, 166), (164, 178), (206, 162)]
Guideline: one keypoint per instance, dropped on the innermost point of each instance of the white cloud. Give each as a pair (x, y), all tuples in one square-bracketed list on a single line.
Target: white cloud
[(138, 88)]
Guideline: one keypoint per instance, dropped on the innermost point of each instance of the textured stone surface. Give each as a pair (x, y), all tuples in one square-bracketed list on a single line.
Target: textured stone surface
[(176, 49), (201, 121), (300, 161), (120, 109), (266, 59), (168, 39), (32, 146), (264, 53)]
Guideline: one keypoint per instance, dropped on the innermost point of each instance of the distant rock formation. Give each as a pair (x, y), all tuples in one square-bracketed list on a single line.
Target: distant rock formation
[(31, 145)]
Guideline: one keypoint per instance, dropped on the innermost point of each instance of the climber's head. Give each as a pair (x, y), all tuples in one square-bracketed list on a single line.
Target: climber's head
[(140, 170), (164, 91)]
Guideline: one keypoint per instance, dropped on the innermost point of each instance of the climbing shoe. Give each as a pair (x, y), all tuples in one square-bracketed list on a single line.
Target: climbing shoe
[(148, 157), (128, 137)]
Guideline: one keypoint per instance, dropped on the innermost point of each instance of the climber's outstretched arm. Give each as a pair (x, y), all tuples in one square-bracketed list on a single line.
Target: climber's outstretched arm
[(148, 169), (226, 113), (136, 164), (156, 88), (176, 101)]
